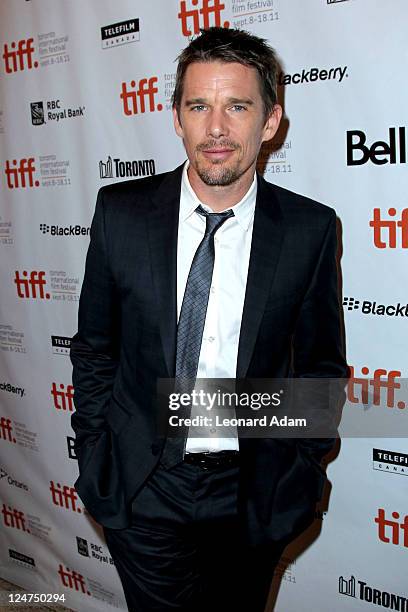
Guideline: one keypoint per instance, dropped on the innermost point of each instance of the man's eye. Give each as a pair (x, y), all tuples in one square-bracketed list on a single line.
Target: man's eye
[(198, 107), (238, 107)]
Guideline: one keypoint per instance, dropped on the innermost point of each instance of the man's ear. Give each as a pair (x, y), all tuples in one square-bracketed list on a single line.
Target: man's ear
[(272, 123), (176, 121)]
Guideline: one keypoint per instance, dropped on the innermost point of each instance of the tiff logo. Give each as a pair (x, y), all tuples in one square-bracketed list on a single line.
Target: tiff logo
[(72, 579), (27, 287), (144, 88), (14, 518), (393, 528), (19, 56), (6, 430), (63, 397), (389, 240), (64, 496), (358, 388), (20, 173), (347, 587), (200, 17)]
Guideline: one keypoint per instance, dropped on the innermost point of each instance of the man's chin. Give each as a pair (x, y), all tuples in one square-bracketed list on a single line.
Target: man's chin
[(218, 175)]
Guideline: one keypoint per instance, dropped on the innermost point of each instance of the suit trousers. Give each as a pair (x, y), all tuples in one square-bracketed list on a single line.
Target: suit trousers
[(183, 550)]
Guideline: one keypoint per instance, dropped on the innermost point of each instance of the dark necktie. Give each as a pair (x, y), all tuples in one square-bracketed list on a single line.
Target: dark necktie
[(191, 326)]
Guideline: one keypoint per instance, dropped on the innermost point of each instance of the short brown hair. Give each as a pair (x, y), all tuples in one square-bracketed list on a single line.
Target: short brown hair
[(230, 45)]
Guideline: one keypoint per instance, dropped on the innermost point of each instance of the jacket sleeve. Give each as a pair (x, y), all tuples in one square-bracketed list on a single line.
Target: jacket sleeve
[(318, 342), (94, 348)]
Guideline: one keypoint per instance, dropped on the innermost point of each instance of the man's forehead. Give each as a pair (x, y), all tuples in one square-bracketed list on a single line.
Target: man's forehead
[(201, 76)]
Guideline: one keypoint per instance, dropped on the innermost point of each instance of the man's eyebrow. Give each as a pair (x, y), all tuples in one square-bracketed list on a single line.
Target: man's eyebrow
[(193, 101)]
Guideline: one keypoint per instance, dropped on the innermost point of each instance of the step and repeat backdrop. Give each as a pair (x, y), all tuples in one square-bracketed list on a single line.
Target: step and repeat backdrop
[(85, 101)]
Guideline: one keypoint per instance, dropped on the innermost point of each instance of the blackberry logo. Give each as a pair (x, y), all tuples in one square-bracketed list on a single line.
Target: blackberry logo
[(351, 303), (67, 230), (374, 308), (310, 75)]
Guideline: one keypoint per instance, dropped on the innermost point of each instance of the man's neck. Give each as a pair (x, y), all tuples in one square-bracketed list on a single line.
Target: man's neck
[(219, 198)]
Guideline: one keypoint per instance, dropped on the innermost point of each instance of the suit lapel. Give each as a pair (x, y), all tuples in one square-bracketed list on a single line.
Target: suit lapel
[(163, 231), (265, 249)]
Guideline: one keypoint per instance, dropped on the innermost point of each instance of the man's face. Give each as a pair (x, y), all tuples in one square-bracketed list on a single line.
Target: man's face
[(222, 121)]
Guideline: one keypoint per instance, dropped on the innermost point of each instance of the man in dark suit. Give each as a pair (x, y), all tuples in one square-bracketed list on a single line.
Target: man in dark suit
[(208, 271)]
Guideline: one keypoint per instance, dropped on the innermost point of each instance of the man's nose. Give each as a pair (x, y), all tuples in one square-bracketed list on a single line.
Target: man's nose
[(217, 125)]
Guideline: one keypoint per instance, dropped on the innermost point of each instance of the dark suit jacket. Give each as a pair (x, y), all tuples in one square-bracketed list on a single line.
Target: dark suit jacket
[(126, 339)]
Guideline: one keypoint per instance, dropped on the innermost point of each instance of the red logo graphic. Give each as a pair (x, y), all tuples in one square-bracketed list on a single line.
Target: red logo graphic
[(393, 528), (208, 7), (15, 56), (14, 518), (72, 579), (64, 496), (63, 399), (358, 389), (390, 239), (144, 88), (6, 430), (18, 171), (27, 287)]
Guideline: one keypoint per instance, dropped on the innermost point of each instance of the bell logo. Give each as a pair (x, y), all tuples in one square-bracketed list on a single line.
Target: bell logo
[(200, 17), (20, 173), (389, 531), (19, 55), (385, 231), (27, 287), (63, 397), (134, 99), (6, 430), (72, 579), (64, 496), (380, 152), (14, 518), (358, 388)]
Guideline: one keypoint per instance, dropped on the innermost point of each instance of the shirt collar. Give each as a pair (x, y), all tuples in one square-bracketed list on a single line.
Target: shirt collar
[(243, 210)]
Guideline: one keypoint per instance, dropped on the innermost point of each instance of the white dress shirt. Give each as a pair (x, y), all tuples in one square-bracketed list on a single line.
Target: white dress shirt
[(232, 242)]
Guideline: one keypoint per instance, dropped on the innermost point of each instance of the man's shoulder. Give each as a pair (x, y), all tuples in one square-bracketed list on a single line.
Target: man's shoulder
[(296, 205), (128, 191)]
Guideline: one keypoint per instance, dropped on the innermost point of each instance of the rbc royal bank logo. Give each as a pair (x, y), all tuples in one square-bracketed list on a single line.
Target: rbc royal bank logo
[(196, 14), (138, 97), (18, 55)]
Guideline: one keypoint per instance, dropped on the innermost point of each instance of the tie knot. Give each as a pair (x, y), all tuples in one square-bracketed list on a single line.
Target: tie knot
[(214, 220)]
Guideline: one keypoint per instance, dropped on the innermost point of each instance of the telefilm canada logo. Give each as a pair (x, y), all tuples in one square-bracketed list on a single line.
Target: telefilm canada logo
[(21, 559), (120, 33), (64, 230), (54, 111), (370, 594), (335, 1), (60, 345), (392, 462), (118, 168), (311, 75)]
